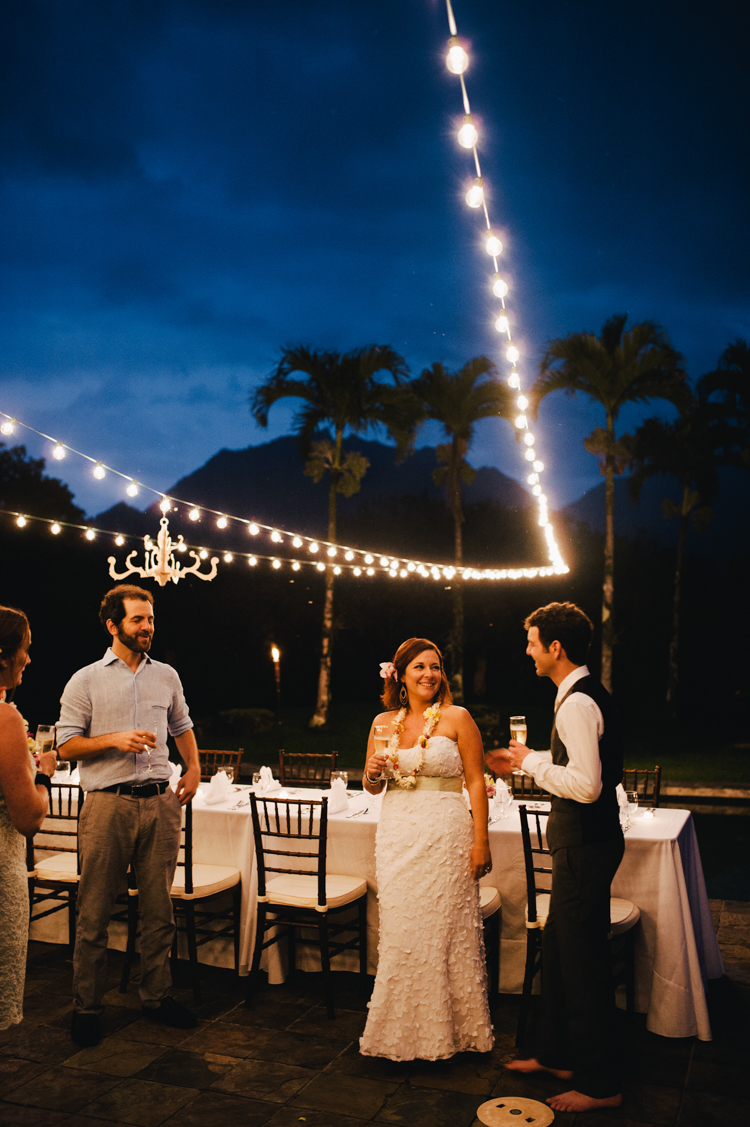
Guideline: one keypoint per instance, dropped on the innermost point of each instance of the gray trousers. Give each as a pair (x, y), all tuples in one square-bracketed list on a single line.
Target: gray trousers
[(116, 831)]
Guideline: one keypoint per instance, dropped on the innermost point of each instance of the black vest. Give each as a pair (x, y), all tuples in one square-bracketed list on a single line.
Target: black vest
[(580, 823)]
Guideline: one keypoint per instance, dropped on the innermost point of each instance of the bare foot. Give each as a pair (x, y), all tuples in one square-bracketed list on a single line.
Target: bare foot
[(576, 1101), (533, 1065)]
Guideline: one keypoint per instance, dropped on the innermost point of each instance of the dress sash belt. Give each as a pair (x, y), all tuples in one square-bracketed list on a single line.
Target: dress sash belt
[(430, 782)]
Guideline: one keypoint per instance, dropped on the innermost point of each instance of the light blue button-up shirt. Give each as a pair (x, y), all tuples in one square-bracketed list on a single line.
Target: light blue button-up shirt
[(108, 697)]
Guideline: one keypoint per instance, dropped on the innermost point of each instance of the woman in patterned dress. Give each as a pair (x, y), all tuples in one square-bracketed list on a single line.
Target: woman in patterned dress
[(23, 808)]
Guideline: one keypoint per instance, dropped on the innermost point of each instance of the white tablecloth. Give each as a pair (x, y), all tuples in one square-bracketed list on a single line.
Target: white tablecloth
[(676, 945)]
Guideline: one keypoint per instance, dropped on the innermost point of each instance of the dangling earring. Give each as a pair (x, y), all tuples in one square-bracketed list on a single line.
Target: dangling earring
[(403, 696)]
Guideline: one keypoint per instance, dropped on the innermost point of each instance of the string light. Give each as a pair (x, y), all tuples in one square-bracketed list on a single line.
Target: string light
[(165, 505), (457, 59), (493, 245), (514, 380), (521, 422), (467, 134), (55, 529), (475, 194), (90, 534), (313, 547), (8, 426), (253, 561), (276, 564), (522, 403), (276, 537), (228, 557), (538, 466), (99, 471), (502, 324), (194, 514), (331, 551), (512, 354), (222, 522), (119, 541), (21, 522), (132, 489), (499, 286), (58, 451), (253, 529), (297, 542)]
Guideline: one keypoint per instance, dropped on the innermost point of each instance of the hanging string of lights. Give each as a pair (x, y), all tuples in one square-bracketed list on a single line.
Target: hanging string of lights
[(457, 62), (341, 558)]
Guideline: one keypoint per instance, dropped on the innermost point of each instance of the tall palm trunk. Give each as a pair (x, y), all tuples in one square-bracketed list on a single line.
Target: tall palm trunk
[(457, 637), (326, 646), (674, 645), (608, 589)]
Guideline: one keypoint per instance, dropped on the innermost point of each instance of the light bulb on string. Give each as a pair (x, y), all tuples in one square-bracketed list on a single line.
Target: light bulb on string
[(337, 570), (55, 529), (276, 565), (502, 323), (253, 529), (203, 554), (384, 561), (297, 543), (499, 286), (538, 466), (252, 562), (182, 546), (529, 439), (332, 551), (533, 478), (165, 504), (522, 403), (222, 522), (349, 556), (99, 471), (132, 489), (194, 514), (492, 244), (313, 547), (357, 570), (295, 566), (90, 534), (119, 541), (58, 451), (514, 380), (457, 59), (467, 134), (530, 455), (512, 354), (537, 490), (521, 422), (320, 567), (276, 537), (371, 571), (475, 194), (368, 558), (228, 557), (411, 567), (8, 426)]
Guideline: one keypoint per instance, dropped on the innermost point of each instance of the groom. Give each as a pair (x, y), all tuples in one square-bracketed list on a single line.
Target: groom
[(577, 1034)]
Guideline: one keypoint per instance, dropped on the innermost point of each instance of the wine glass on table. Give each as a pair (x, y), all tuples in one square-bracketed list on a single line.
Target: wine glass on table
[(632, 797)]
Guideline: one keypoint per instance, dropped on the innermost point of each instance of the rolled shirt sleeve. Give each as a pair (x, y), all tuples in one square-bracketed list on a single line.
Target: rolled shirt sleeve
[(580, 725)]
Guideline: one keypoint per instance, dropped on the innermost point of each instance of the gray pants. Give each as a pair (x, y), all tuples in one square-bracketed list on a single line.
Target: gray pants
[(116, 831)]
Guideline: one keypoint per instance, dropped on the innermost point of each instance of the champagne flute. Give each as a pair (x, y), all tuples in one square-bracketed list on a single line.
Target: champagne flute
[(518, 729), (382, 737), (45, 738), (155, 733)]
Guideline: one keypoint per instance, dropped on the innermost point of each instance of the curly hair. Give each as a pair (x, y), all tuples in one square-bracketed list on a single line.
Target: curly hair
[(564, 623), (403, 656), (113, 603)]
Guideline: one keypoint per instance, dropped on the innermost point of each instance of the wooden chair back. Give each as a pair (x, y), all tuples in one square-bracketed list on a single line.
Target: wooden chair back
[(306, 769), (538, 872), (287, 832), (59, 833), (213, 761), (647, 781), (524, 786)]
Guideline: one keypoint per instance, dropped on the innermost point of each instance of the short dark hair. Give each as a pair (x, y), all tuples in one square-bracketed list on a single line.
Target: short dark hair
[(403, 656), (14, 631), (113, 603), (564, 623)]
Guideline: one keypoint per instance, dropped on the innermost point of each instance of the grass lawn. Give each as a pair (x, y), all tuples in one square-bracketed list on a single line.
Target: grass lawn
[(684, 754)]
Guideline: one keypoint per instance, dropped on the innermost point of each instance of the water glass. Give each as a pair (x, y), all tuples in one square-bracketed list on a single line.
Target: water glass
[(256, 779), (632, 797), (229, 772)]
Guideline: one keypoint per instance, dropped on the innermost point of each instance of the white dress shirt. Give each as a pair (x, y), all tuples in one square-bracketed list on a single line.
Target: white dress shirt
[(580, 725)]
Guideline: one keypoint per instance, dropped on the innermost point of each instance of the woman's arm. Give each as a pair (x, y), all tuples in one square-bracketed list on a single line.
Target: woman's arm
[(27, 803), (470, 747)]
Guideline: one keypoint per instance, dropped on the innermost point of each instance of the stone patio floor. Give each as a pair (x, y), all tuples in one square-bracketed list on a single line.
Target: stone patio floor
[(283, 1064)]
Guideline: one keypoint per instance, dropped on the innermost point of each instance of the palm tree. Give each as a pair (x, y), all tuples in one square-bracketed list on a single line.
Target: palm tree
[(458, 400), (613, 369), (338, 391), (685, 449), (728, 388)]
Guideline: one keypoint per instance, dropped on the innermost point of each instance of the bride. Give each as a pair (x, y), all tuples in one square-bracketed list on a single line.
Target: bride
[(430, 995)]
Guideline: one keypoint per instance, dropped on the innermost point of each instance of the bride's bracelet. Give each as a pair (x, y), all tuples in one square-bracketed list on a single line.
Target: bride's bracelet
[(374, 782)]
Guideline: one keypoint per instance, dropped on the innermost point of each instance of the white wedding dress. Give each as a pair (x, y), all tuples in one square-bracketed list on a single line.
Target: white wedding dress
[(430, 995)]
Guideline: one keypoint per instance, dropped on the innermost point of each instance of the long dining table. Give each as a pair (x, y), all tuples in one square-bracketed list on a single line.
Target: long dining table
[(676, 947)]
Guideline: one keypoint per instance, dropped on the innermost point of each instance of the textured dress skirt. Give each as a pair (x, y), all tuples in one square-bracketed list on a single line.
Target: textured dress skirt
[(14, 919), (430, 995)]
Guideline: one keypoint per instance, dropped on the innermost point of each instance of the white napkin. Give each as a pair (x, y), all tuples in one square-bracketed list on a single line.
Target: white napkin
[(220, 789), (622, 798), (337, 797), (175, 771), (267, 782)]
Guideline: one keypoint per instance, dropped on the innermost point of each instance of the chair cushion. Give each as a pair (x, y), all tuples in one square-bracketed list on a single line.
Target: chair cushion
[(302, 891), (489, 900), (207, 880), (62, 866), (542, 910), (622, 915)]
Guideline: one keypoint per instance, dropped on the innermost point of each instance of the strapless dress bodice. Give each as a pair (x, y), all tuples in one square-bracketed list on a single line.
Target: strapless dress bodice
[(441, 757)]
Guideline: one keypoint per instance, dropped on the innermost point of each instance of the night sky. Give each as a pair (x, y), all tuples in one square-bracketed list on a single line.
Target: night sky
[(188, 185)]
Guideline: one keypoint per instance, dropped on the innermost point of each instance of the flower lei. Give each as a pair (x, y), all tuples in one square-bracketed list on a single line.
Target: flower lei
[(431, 719)]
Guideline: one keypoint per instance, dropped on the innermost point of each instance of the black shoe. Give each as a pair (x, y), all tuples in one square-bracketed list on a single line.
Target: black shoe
[(170, 1012), (85, 1029)]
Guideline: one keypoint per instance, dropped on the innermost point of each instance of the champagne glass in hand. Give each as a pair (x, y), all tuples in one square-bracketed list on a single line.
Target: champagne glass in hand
[(152, 729)]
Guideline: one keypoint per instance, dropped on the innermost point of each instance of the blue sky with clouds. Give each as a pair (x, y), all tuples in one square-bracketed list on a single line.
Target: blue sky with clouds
[(189, 184)]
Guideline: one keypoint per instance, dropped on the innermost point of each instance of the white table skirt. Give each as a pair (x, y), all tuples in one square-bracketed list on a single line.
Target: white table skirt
[(676, 945)]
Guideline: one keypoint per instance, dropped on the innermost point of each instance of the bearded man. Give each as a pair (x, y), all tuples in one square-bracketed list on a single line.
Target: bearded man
[(114, 719)]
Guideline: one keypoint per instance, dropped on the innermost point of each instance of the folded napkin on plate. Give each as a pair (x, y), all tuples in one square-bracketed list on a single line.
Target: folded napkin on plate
[(622, 798), (267, 782), (219, 790), (175, 771), (337, 799)]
